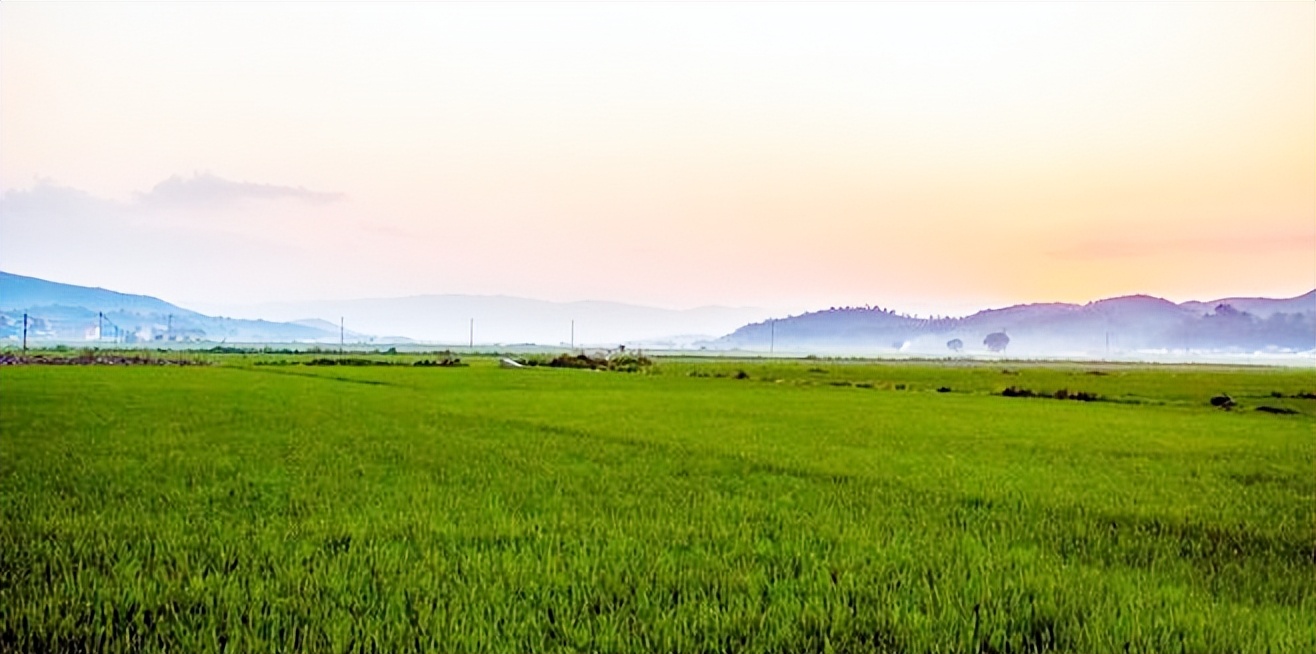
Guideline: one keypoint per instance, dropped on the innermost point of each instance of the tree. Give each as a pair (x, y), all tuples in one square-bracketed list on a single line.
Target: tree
[(996, 341), (955, 345)]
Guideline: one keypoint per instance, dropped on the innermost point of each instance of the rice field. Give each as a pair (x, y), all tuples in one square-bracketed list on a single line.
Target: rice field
[(698, 506)]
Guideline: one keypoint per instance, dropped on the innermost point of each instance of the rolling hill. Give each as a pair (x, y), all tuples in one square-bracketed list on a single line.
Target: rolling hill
[(66, 312), (1122, 324)]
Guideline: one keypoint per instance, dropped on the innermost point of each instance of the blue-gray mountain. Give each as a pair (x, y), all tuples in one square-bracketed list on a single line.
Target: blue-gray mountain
[(1132, 323), (65, 312)]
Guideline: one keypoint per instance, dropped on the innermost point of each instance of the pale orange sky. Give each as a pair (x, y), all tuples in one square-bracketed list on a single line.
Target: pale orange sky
[(931, 157)]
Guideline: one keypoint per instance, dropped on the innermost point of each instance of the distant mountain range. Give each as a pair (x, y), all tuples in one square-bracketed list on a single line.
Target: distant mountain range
[(1123, 324), (64, 312), (1138, 323), (512, 320)]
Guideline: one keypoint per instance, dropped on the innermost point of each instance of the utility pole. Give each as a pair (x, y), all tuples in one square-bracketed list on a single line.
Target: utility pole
[(100, 326), (24, 334), (471, 343), (169, 328), (341, 335), (573, 334), (772, 339)]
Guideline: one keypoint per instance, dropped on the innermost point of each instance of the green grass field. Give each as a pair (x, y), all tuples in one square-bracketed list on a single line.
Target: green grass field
[(816, 506)]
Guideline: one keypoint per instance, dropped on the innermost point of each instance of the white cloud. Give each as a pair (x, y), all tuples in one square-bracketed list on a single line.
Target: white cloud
[(207, 190)]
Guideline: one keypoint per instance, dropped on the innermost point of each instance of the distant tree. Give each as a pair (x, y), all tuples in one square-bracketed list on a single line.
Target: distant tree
[(955, 345), (996, 341)]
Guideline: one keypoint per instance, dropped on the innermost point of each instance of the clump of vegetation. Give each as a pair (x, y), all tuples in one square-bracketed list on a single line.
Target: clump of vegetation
[(943, 389), (346, 361), (1301, 395), (1285, 411), (741, 374), (700, 372), (623, 362), (1062, 394), (230, 349), (445, 362), (92, 358), (1222, 401), (1081, 396)]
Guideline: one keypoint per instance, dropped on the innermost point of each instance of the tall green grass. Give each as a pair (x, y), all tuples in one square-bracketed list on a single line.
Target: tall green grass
[(288, 508)]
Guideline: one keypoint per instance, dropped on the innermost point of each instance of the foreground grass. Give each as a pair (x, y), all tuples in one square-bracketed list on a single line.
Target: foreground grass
[(239, 508)]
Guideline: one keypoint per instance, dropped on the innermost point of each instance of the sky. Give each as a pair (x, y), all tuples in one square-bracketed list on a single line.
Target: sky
[(934, 158)]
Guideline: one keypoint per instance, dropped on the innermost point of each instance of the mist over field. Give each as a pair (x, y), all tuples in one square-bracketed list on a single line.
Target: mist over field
[(448, 319), (1138, 328)]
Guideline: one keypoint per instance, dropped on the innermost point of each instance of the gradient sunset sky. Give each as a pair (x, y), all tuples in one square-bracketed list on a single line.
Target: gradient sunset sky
[(929, 157)]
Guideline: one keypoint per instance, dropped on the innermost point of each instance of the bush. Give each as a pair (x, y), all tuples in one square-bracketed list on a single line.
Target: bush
[(619, 363), (1279, 410), (446, 362), (1062, 394)]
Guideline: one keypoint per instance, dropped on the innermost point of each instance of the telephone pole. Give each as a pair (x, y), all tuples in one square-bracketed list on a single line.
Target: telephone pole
[(24, 334), (772, 338), (100, 326), (573, 334), (341, 335), (471, 343)]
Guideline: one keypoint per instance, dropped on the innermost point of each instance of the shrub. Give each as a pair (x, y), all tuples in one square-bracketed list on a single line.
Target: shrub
[(446, 362), (1279, 410)]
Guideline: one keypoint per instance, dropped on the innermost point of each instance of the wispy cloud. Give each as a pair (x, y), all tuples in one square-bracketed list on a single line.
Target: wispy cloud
[(205, 189), (1136, 247)]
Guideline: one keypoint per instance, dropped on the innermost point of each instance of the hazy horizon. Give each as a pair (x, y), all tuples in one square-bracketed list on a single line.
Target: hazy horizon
[(929, 158)]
